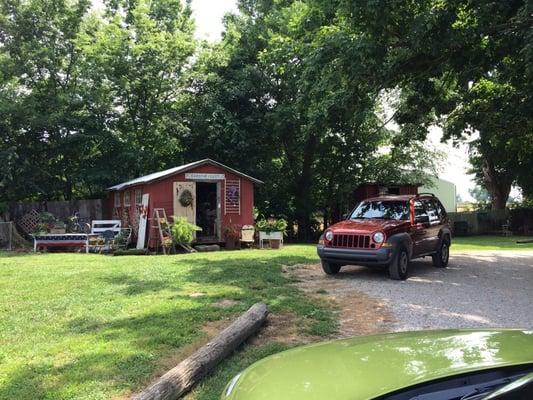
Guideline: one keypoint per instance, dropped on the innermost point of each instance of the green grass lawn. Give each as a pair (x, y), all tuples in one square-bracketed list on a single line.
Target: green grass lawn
[(97, 327), (474, 243)]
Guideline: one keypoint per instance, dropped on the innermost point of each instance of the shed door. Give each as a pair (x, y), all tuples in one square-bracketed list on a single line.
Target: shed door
[(185, 200)]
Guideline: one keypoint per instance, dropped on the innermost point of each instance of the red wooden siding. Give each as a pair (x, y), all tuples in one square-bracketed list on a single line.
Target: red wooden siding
[(368, 190), (161, 196)]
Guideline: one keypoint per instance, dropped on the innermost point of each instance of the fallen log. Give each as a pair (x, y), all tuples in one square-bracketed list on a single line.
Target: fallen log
[(187, 373), (525, 241)]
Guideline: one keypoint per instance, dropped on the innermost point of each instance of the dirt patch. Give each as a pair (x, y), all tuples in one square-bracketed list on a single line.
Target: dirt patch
[(359, 314), (277, 328), (280, 328), (226, 303)]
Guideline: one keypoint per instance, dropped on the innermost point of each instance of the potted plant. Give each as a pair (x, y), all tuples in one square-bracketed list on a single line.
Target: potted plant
[(272, 229), (46, 223), (120, 241), (167, 242), (183, 233), (232, 235), (40, 229)]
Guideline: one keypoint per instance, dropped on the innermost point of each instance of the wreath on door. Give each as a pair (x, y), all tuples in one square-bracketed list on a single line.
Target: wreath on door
[(186, 198)]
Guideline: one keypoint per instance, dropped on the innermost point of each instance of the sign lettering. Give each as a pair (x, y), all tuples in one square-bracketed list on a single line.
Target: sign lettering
[(205, 177)]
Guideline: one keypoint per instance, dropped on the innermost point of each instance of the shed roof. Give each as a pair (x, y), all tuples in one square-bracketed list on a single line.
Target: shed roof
[(182, 168)]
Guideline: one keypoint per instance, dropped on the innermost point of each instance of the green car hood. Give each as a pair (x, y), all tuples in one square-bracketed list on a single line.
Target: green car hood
[(369, 366)]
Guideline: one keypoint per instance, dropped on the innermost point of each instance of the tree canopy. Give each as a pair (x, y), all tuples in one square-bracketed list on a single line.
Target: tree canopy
[(314, 97)]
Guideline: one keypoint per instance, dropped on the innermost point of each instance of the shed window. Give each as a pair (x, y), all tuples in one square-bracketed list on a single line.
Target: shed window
[(233, 196), (117, 199), (127, 201), (138, 197)]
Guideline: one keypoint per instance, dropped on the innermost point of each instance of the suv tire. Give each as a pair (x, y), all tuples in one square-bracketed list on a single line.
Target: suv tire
[(330, 268), (399, 267), (441, 257)]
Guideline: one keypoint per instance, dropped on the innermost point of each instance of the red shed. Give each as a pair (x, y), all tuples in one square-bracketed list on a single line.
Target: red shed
[(367, 190), (208, 193)]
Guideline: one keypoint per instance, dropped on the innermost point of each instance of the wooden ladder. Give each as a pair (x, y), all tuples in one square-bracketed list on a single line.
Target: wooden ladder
[(160, 224)]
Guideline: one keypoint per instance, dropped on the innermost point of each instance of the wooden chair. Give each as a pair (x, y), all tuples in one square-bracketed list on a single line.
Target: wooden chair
[(248, 234), (506, 231), (105, 229), (107, 236), (126, 234)]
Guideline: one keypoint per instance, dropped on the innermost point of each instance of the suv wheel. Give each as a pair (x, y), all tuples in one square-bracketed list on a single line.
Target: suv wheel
[(399, 266), (441, 257), (330, 268)]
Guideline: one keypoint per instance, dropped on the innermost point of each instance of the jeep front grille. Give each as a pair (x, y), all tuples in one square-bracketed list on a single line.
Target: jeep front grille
[(352, 241)]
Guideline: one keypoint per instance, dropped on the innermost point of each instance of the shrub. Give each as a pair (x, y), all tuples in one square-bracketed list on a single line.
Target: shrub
[(121, 240), (272, 225), (46, 222), (232, 232), (183, 231)]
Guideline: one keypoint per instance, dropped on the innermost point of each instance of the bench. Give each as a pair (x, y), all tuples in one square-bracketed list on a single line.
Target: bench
[(61, 240), (99, 226)]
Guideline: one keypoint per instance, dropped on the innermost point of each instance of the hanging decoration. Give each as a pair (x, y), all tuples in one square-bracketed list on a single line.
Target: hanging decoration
[(186, 198)]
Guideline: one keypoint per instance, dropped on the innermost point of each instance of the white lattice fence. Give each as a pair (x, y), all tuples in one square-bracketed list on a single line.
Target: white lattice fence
[(28, 222)]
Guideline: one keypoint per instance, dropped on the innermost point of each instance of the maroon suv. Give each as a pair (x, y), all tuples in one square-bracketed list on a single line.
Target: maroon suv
[(388, 231)]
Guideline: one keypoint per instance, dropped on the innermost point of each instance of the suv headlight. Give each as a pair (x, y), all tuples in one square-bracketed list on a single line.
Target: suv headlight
[(378, 237), (329, 236)]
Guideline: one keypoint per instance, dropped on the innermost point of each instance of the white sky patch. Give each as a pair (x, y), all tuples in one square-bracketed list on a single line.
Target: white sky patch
[(456, 165), (208, 15)]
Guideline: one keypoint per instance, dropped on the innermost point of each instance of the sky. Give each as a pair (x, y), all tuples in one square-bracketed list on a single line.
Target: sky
[(208, 15)]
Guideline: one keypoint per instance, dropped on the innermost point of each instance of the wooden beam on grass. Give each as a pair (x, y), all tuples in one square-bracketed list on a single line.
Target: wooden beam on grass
[(180, 379)]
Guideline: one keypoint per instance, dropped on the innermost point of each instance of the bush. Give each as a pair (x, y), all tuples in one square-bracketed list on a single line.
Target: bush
[(46, 222), (121, 240), (272, 225), (232, 232), (183, 231)]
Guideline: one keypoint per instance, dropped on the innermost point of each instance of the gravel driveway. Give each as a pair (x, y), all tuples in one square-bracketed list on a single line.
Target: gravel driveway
[(486, 289)]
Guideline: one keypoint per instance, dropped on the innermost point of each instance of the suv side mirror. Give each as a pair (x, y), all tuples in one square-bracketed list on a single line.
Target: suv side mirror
[(422, 219), (345, 215)]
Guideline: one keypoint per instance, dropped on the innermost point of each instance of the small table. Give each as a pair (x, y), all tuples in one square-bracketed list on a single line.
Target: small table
[(270, 235), (61, 240)]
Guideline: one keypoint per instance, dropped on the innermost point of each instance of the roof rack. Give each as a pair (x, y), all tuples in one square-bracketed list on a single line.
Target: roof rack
[(425, 194)]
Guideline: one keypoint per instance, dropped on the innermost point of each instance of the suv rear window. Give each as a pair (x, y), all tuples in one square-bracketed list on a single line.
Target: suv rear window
[(398, 210)]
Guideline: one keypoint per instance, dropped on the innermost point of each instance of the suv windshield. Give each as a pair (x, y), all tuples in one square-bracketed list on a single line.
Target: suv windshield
[(398, 210)]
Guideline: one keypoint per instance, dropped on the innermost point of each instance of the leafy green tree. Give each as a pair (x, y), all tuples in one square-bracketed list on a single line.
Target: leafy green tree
[(46, 133), (465, 62), (89, 99), (274, 103), (495, 112), (479, 194), (136, 57)]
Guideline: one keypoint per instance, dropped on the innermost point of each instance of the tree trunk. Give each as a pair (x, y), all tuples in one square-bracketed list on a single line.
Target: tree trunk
[(187, 373), (304, 206), (498, 186)]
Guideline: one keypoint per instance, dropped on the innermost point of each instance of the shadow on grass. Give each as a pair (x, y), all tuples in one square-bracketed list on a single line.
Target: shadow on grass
[(123, 352), (85, 377), (135, 286)]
